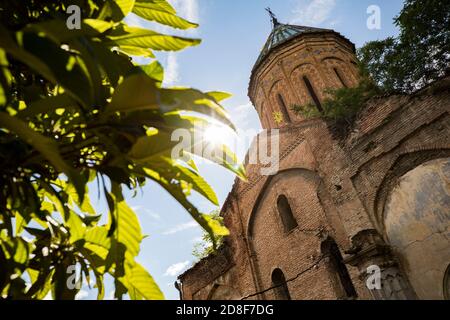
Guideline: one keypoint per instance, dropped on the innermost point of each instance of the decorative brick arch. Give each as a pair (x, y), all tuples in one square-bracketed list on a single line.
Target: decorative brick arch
[(310, 71), (346, 71), (281, 88), (265, 188)]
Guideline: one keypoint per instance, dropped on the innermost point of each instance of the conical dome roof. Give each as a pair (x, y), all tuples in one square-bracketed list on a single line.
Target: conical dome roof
[(282, 33)]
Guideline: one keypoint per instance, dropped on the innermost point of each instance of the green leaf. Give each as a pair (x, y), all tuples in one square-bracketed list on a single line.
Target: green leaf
[(128, 230), (15, 249), (20, 223), (160, 5), (125, 6), (155, 11), (222, 155), (143, 38), (155, 71), (153, 147), (100, 26), (136, 92), (174, 170), (194, 100), (141, 284), (98, 236), (85, 206), (217, 228), (137, 51), (76, 227), (219, 96)]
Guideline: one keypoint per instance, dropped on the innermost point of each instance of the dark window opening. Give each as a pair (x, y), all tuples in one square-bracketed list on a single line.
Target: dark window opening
[(280, 285), (312, 93), (339, 76), (283, 108), (285, 211), (330, 248)]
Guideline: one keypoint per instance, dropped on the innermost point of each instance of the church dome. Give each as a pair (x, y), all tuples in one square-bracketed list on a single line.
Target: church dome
[(297, 66), (281, 33)]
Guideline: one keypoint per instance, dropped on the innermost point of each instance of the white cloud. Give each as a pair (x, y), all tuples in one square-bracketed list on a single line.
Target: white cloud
[(241, 115), (176, 269), (313, 13), (172, 72), (187, 9), (81, 295), (182, 227), (148, 212)]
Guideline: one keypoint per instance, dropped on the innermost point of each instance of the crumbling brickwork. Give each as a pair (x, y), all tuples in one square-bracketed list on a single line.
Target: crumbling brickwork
[(339, 191)]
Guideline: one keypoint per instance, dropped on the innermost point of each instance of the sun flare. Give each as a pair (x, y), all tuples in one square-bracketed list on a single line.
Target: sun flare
[(217, 135)]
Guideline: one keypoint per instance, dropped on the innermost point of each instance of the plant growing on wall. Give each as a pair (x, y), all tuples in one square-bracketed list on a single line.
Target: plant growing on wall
[(343, 103), (209, 241)]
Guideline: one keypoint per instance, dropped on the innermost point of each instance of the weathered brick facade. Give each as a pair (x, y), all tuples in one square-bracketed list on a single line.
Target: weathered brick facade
[(380, 197)]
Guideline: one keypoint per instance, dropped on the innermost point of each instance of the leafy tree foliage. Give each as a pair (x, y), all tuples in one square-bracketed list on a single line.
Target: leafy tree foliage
[(209, 241), (419, 55), (75, 111)]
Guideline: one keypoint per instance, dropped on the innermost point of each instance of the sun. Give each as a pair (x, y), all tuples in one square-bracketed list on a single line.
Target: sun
[(216, 134)]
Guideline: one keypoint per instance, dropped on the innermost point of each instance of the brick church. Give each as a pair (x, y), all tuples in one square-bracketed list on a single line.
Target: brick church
[(337, 206)]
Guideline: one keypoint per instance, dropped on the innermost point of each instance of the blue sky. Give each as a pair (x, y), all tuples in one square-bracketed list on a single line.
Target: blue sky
[(233, 33)]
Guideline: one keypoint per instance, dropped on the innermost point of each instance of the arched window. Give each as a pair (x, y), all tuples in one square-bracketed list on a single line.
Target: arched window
[(285, 211), (331, 249), (279, 283), (339, 76), (283, 108), (312, 93)]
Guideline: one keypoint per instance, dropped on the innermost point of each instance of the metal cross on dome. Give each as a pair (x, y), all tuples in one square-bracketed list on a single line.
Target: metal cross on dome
[(273, 17)]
